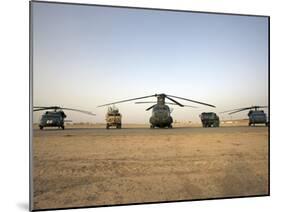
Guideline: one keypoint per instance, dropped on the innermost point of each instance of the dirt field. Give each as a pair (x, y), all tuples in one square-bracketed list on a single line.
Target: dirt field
[(83, 166)]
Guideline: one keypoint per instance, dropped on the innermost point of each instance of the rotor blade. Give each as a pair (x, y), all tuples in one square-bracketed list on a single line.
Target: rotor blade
[(81, 111), (247, 109), (202, 103), (43, 107), (127, 100), (145, 102), (260, 106), (56, 107), (174, 101), (168, 103), (186, 105), (227, 111), (150, 108), (39, 109), (239, 110), (47, 108), (242, 109)]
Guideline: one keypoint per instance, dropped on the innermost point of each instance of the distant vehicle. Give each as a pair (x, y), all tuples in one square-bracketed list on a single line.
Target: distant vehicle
[(210, 119), (255, 115), (55, 116), (161, 113), (113, 118)]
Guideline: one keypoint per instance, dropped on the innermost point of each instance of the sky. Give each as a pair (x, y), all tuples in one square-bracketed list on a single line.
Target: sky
[(85, 56)]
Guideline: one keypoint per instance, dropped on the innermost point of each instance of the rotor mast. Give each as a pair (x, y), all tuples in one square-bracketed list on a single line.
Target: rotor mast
[(161, 99)]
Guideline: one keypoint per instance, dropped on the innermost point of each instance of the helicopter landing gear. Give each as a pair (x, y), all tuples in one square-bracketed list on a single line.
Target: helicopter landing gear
[(41, 127)]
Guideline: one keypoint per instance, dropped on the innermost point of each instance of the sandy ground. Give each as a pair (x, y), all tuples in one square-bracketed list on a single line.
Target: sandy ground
[(83, 166)]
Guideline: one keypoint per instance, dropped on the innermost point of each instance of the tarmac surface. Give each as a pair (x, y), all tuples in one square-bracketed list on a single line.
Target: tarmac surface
[(86, 166)]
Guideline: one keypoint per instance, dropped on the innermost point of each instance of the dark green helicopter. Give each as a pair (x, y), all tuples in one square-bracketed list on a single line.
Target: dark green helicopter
[(54, 116), (161, 113), (255, 115)]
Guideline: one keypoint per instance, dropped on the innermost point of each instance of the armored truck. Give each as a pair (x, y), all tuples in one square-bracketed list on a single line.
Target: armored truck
[(113, 118), (210, 119)]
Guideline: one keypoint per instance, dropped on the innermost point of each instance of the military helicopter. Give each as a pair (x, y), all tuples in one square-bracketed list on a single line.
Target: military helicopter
[(256, 116), (161, 113), (54, 116)]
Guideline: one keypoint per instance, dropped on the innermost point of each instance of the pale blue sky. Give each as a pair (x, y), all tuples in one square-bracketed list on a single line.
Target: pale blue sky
[(85, 56)]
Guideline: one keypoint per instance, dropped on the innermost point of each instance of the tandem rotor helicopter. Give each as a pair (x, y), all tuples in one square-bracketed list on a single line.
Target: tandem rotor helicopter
[(54, 116), (255, 115), (161, 113)]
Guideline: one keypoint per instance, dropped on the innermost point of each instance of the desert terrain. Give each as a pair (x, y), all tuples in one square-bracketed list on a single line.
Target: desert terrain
[(88, 165)]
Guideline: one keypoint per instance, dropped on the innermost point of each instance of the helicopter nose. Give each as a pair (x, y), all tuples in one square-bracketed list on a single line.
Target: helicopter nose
[(161, 115)]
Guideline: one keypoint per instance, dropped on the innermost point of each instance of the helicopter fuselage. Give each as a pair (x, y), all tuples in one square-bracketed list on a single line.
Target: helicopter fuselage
[(257, 117), (161, 116), (52, 119)]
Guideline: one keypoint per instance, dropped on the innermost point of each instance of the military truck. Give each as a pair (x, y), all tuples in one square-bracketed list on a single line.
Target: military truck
[(210, 119), (113, 118)]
